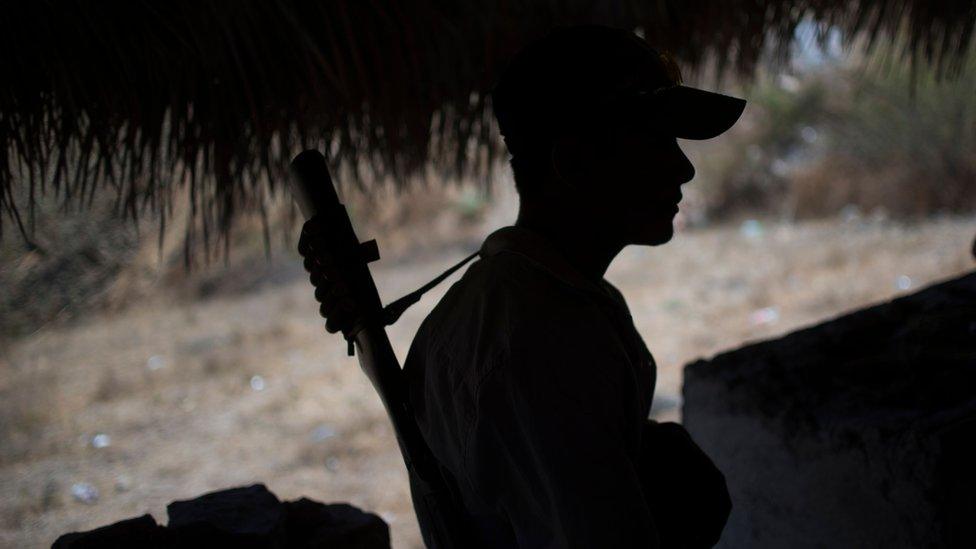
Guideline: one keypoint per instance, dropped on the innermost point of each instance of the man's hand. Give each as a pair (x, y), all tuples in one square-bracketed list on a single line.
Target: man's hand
[(686, 492), (337, 304)]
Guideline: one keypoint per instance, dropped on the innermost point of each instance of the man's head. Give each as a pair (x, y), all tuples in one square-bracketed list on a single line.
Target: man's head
[(591, 116)]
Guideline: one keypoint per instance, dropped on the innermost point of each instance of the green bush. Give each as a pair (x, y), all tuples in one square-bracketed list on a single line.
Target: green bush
[(868, 133)]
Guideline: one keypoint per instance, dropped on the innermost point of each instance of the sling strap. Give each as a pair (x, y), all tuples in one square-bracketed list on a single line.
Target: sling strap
[(392, 312)]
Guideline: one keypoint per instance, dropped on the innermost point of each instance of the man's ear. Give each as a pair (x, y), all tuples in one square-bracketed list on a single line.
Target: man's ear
[(570, 161)]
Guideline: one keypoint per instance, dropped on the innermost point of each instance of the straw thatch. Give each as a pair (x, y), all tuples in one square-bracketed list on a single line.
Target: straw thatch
[(213, 97)]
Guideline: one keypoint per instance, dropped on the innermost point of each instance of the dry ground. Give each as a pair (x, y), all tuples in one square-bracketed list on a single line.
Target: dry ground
[(172, 383)]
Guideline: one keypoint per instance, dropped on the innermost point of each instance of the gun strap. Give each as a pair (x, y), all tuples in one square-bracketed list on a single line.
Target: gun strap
[(393, 311)]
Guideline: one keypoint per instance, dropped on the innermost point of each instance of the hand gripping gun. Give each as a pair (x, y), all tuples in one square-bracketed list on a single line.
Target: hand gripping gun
[(432, 499)]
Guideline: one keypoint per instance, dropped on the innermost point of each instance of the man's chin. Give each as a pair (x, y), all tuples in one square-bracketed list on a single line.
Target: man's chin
[(656, 236)]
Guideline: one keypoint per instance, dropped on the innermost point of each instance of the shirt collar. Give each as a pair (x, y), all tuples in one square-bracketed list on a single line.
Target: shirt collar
[(540, 251)]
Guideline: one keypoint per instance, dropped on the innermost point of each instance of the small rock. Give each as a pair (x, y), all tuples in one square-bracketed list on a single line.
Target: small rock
[(789, 83), (84, 492), (780, 167), (123, 483), (323, 432), (101, 440), (903, 282), (766, 315), (809, 134), (156, 362), (751, 229)]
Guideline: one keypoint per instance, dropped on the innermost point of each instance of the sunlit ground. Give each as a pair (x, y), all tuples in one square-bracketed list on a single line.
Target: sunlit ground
[(116, 415)]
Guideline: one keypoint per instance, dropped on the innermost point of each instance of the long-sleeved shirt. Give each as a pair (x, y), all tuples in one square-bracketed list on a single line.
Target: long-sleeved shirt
[(531, 386)]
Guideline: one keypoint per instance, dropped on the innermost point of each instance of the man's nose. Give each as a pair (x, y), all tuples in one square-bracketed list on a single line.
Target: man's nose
[(686, 171)]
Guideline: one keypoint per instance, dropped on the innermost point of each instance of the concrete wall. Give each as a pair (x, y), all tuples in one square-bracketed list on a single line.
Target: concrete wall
[(859, 432)]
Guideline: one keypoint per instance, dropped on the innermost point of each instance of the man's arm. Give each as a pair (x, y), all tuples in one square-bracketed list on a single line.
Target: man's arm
[(553, 447)]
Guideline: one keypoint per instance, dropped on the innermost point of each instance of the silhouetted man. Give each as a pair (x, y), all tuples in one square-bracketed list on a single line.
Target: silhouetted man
[(528, 380)]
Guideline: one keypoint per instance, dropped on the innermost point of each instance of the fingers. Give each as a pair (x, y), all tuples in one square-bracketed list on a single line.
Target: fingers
[(312, 231), (320, 261), (328, 298), (342, 317), (337, 306), (317, 278), (326, 287), (336, 303), (317, 262), (321, 294), (315, 255), (314, 225)]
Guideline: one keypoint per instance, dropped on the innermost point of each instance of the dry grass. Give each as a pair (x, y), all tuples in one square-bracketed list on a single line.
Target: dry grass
[(213, 100), (193, 422)]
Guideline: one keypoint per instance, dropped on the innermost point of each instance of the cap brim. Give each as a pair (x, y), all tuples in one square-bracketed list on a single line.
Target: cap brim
[(691, 113)]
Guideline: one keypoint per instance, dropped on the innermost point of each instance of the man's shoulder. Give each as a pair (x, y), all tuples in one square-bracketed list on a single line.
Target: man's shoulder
[(503, 300), (511, 285)]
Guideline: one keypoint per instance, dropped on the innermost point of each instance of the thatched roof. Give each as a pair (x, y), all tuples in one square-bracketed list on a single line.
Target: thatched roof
[(144, 99)]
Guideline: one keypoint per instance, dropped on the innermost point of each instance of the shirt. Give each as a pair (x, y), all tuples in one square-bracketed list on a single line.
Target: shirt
[(531, 385)]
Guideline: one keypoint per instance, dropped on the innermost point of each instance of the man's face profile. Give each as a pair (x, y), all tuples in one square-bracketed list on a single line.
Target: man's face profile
[(628, 178), (591, 116)]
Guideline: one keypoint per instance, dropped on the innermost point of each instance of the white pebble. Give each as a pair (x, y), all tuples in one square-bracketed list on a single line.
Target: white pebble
[(84, 492), (766, 315), (904, 282), (156, 362)]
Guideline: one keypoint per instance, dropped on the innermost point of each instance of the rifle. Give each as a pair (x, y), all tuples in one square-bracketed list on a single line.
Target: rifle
[(433, 503)]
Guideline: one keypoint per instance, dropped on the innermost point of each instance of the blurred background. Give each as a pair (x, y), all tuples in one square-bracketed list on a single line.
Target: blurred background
[(128, 380)]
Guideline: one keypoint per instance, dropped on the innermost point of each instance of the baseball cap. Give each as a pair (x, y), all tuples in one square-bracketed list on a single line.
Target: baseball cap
[(579, 76)]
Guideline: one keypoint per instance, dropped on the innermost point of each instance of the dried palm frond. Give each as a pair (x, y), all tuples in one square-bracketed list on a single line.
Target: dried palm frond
[(212, 98)]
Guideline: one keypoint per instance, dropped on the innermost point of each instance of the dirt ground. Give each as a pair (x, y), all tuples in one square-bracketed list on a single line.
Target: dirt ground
[(170, 399)]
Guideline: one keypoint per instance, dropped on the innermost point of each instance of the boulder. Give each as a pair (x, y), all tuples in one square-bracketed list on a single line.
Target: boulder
[(134, 532), (248, 516), (245, 517), (310, 524)]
